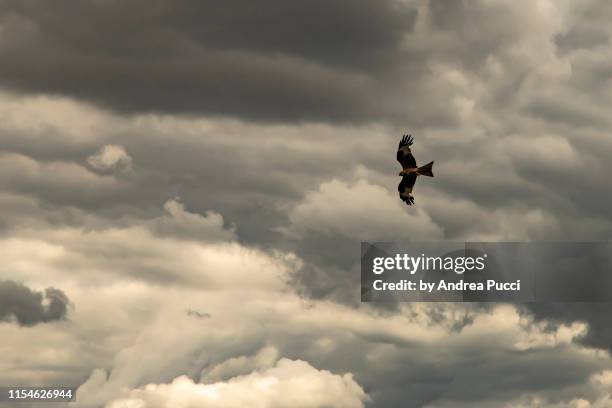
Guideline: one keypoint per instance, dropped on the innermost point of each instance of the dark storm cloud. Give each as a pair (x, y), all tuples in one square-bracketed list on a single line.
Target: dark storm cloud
[(269, 60), (330, 259), (596, 315), (588, 30), (593, 282), (29, 307), (524, 88), (344, 32), (581, 37), (246, 183), (479, 372)]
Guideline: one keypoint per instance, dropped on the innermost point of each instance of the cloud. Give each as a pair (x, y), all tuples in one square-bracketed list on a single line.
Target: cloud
[(149, 339), (594, 394), (180, 223), (288, 384), (279, 140), (112, 302), (28, 307), (25, 174), (182, 248), (396, 358), (330, 221), (360, 211), (119, 252), (264, 359), (110, 158), (257, 65), (599, 334)]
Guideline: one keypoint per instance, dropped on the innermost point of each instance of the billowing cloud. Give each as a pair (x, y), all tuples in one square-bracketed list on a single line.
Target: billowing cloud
[(287, 384), (595, 315), (119, 252), (29, 307), (265, 358), (163, 157), (181, 223), (149, 339), (595, 394), (58, 179), (391, 356), (360, 211), (109, 158)]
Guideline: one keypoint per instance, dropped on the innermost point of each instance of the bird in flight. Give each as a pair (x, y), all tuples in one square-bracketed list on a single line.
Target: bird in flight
[(410, 170)]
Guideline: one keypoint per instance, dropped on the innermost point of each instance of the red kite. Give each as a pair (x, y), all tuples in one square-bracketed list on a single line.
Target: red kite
[(410, 170)]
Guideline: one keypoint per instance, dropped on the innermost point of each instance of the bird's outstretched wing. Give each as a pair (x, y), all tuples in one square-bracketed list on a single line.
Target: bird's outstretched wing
[(404, 155), (405, 188), (406, 140)]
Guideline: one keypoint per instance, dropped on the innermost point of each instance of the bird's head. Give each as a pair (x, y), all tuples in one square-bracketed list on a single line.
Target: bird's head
[(402, 173)]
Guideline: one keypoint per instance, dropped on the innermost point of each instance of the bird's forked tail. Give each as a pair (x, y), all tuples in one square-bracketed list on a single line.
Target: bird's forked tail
[(426, 170)]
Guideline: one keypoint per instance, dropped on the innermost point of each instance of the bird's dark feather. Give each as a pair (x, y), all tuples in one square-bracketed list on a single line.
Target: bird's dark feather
[(405, 187), (404, 156), (406, 159), (406, 140)]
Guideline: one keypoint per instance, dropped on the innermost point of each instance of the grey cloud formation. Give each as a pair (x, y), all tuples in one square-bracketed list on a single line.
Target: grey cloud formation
[(360, 31), (288, 384), (414, 354), (596, 315), (273, 61), (109, 158), (398, 360), (29, 307), (158, 157)]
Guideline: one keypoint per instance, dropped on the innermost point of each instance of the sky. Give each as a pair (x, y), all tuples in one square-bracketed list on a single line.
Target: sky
[(184, 186)]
